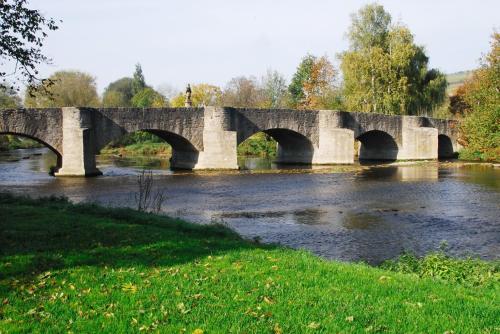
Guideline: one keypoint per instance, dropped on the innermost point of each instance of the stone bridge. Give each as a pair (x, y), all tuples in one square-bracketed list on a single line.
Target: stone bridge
[(207, 138)]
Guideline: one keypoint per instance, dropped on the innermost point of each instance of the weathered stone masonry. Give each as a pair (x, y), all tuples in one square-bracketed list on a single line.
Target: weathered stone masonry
[(207, 138)]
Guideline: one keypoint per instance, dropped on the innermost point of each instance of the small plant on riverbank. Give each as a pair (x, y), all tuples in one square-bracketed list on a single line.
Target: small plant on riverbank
[(439, 265), (147, 198)]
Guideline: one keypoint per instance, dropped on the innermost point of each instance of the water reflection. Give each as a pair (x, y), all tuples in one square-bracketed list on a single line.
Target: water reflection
[(361, 221), (353, 213)]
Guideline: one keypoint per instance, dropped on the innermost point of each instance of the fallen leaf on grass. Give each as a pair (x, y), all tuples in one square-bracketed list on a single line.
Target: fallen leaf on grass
[(314, 325), (268, 300), (129, 287)]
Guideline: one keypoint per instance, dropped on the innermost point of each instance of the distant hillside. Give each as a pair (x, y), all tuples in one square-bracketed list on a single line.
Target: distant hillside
[(456, 79)]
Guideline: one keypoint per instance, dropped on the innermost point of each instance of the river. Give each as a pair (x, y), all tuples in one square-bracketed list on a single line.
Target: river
[(353, 213)]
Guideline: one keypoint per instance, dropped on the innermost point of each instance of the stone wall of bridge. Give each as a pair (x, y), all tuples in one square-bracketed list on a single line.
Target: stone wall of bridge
[(207, 138)]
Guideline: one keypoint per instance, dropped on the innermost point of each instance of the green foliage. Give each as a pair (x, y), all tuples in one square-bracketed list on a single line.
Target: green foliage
[(369, 27), (384, 71), (114, 99), (11, 142), (301, 75), (119, 93), (84, 268), (67, 89), (148, 98), (260, 144), (138, 82), (481, 124), (9, 98), (274, 90), (469, 271), (135, 139), (142, 148)]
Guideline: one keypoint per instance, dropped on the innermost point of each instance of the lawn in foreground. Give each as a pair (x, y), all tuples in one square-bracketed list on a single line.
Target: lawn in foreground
[(82, 268)]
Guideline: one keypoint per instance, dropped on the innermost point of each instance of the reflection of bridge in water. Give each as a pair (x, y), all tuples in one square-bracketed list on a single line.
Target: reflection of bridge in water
[(207, 138)]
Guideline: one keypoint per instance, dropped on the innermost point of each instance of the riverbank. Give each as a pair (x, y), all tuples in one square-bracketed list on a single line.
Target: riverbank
[(259, 145), (139, 149), (10, 142), (84, 268)]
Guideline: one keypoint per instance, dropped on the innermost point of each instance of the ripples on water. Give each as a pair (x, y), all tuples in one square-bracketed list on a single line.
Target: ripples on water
[(354, 213)]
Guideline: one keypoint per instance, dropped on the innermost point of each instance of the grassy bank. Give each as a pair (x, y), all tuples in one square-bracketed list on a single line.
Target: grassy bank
[(83, 268), (257, 145), (9, 142), (141, 148), (491, 155)]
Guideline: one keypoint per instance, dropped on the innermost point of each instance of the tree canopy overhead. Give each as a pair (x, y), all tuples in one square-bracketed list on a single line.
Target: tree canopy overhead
[(385, 71), (23, 31)]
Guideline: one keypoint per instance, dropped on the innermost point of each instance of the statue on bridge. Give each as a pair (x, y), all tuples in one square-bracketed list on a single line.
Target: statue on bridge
[(188, 102)]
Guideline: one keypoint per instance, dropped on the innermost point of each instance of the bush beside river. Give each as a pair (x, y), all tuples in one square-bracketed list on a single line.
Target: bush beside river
[(85, 268)]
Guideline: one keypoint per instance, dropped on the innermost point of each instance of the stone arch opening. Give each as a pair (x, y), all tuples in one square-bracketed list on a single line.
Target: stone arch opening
[(181, 153), (291, 147), (42, 143), (445, 147), (377, 145)]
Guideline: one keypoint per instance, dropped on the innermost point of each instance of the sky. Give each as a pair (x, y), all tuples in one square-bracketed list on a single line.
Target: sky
[(192, 41)]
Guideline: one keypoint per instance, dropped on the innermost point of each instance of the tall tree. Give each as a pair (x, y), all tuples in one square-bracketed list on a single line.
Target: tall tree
[(303, 72), (242, 92), (384, 71), (481, 124), (118, 93), (312, 85), (138, 83), (274, 90), (69, 89), (149, 98), (369, 27), (23, 32), (319, 85)]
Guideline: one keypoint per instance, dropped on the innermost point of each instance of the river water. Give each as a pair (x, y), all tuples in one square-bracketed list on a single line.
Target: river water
[(354, 213)]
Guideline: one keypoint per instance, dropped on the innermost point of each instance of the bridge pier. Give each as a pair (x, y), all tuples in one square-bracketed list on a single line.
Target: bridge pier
[(336, 144), (219, 144), (419, 142), (78, 148)]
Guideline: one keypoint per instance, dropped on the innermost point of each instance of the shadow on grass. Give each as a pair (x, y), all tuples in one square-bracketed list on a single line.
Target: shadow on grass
[(38, 235)]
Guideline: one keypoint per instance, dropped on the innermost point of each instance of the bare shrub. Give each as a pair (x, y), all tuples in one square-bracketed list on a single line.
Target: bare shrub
[(147, 198)]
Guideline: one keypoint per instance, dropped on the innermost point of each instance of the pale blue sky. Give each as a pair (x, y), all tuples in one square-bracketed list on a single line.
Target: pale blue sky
[(212, 41)]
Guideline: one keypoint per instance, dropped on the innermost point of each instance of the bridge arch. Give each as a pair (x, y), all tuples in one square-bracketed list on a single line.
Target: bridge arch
[(377, 145), (184, 153), (38, 140), (445, 147), (293, 147)]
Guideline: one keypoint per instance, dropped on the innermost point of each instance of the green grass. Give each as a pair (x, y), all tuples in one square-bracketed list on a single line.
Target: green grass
[(10, 142), (491, 155), (87, 269), (258, 145), (141, 148)]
